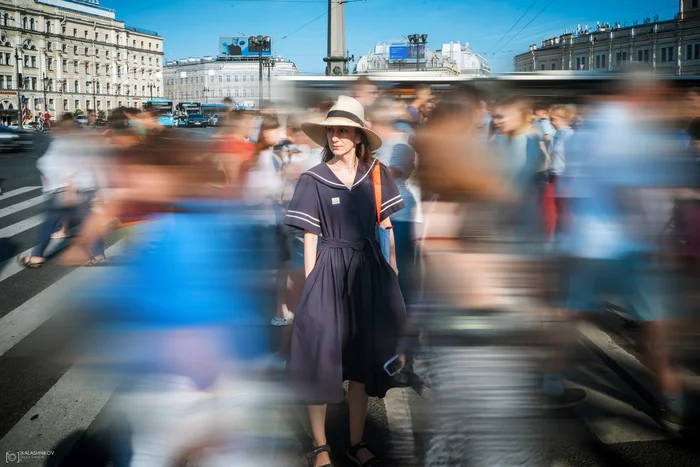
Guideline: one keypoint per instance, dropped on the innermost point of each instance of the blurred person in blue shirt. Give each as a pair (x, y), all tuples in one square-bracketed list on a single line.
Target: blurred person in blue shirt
[(621, 167)]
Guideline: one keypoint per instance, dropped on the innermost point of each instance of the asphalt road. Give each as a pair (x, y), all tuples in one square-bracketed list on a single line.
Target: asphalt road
[(41, 403)]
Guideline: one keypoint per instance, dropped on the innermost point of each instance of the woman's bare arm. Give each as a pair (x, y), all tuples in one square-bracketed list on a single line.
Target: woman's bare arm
[(310, 247)]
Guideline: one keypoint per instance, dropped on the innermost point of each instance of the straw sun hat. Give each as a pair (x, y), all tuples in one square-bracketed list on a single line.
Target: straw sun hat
[(346, 112)]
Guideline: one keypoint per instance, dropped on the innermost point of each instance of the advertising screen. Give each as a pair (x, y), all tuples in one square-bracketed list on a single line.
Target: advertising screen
[(237, 46), (398, 52), (406, 51)]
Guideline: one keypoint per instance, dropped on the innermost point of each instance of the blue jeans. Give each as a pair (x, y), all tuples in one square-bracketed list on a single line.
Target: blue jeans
[(55, 214)]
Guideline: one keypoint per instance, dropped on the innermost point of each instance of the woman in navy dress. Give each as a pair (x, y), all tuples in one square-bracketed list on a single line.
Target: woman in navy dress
[(351, 311)]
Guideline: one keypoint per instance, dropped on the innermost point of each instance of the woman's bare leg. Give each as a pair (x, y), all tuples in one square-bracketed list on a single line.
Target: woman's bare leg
[(317, 417), (357, 405)]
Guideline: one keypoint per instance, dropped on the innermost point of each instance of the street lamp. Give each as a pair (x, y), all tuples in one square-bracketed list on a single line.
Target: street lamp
[(47, 83), (269, 64), (416, 40), (91, 81), (260, 44)]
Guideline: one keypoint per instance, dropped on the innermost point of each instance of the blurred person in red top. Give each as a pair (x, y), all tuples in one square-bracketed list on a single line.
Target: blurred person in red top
[(234, 148)]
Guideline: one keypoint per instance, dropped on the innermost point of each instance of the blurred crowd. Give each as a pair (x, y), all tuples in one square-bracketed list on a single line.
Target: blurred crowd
[(516, 221)]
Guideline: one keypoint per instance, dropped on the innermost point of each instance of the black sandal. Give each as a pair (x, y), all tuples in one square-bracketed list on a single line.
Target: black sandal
[(352, 455), (311, 457)]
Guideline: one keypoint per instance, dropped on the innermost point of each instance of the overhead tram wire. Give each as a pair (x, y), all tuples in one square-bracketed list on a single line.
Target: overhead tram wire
[(318, 17), (528, 24), (514, 25)]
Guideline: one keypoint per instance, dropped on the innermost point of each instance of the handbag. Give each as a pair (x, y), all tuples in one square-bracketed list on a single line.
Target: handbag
[(382, 233)]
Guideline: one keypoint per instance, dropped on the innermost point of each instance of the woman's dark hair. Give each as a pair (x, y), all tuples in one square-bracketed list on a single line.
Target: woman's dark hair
[(362, 150), (451, 163)]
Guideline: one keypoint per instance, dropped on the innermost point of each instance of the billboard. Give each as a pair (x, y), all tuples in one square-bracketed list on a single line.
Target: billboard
[(237, 46), (406, 51)]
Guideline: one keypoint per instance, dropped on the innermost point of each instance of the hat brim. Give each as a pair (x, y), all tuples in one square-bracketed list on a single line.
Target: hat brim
[(317, 131)]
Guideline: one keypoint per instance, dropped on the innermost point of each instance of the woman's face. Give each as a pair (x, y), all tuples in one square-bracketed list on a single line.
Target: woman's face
[(511, 119), (342, 139)]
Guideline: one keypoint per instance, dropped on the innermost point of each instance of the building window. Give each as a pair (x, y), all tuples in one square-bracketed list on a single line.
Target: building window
[(63, 30), (228, 78), (97, 69), (601, 61), (542, 66), (87, 68), (106, 53), (136, 89), (692, 51), (643, 55), (24, 23), (34, 81), (75, 67), (244, 93), (221, 93), (620, 58), (5, 19), (667, 54), (75, 34), (580, 63), (31, 24), (77, 104), (221, 78), (65, 104), (48, 27), (142, 44), (52, 105), (76, 86), (64, 48), (50, 64), (87, 51), (97, 52), (75, 50), (235, 93), (553, 65), (49, 46), (86, 34), (97, 36), (65, 66), (243, 78), (134, 43)]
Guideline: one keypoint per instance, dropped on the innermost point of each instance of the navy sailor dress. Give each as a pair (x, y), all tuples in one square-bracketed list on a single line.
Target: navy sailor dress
[(351, 313)]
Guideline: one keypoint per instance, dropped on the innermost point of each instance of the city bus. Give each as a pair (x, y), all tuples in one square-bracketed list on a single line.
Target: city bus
[(214, 112), (184, 108), (164, 109)]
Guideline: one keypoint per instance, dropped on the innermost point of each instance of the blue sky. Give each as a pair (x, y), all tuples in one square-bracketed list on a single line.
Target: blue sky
[(191, 28)]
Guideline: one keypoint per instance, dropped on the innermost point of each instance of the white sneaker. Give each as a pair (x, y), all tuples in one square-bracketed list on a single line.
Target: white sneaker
[(286, 321)]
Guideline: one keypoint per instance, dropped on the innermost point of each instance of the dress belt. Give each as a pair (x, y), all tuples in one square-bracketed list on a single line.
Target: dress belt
[(357, 245)]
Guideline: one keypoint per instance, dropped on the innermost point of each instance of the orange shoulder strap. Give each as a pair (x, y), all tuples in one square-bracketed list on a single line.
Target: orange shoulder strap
[(377, 182)]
